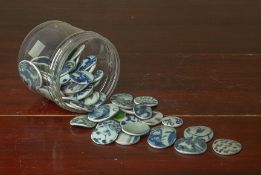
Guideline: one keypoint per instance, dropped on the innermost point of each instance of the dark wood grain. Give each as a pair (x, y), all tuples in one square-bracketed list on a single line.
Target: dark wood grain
[(48, 145), (200, 59)]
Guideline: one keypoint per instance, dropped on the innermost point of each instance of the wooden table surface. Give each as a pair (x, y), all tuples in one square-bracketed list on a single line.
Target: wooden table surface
[(200, 59)]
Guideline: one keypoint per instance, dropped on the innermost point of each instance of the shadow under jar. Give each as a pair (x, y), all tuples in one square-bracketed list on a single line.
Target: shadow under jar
[(76, 69)]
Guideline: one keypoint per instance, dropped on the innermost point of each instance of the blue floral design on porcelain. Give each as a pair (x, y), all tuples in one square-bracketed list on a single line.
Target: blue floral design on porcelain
[(65, 79), (104, 135), (169, 122), (83, 93), (98, 75), (123, 100), (172, 121), (112, 124), (68, 67), (30, 74), (202, 132), (142, 111), (103, 112), (87, 63), (101, 100), (128, 119), (72, 87), (190, 146), (162, 137), (99, 112), (82, 77)]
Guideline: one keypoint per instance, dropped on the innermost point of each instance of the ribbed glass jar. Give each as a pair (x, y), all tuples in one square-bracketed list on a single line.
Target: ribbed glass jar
[(48, 46)]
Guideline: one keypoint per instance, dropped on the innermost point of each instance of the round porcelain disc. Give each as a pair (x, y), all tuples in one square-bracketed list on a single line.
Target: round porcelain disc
[(126, 139), (123, 100), (190, 146), (146, 100), (92, 68), (226, 147), (104, 135), (92, 99), (172, 121), (82, 77), (82, 121), (102, 98), (162, 137), (71, 88), (143, 112), (30, 74), (78, 105), (83, 93), (64, 79), (202, 132), (98, 74), (68, 67), (155, 119), (114, 125), (103, 112), (87, 63), (128, 119), (128, 111), (136, 128)]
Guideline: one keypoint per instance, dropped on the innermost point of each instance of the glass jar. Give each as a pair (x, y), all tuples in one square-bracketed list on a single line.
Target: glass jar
[(48, 47)]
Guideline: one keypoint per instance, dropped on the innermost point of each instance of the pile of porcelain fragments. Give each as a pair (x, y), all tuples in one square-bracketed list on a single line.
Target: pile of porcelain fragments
[(126, 120)]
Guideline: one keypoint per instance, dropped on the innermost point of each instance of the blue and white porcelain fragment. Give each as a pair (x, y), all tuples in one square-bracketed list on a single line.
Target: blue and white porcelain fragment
[(103, 112), (30, 74), (226, 147), (111, 123), (136, 128), (123, 100), (155, 119), (190, 146), (172, 121), (128, 111), (92, 99), (83, 93), (98, 74), (146, 100), (68, 67), (104, 135), (162, 137), (126, 139), (78, 105), (64, 79), (82, 77), (71, 87), (87, 63), (101, 100), (82, 121), (143, 112), (129, 118), (202, 132)]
